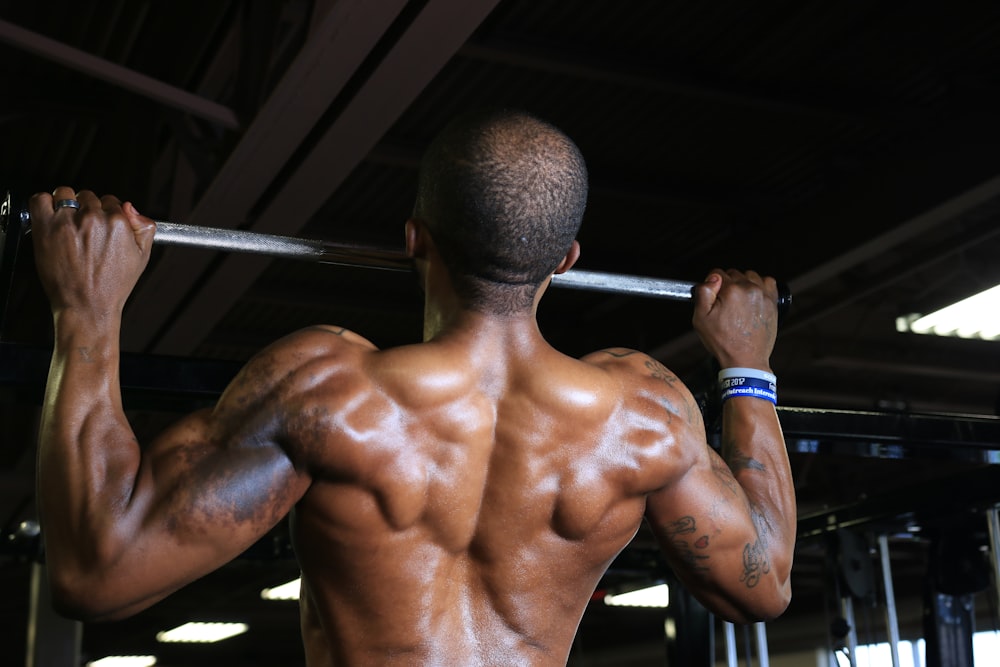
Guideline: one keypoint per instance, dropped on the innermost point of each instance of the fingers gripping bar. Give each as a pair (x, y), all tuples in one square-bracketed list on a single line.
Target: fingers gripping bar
[(346, 254)]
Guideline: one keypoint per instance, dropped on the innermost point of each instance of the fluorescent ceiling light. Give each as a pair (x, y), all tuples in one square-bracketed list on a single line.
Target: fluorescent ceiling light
[(124, 661), (653, 596), (289, 591), (975, 317), (202, 633)]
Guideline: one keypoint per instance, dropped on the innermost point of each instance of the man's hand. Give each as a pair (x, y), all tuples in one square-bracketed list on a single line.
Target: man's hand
[(90, 259), (736, 317)]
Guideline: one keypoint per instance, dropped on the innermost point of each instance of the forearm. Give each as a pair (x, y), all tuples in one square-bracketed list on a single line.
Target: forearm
[(87, 457), (754, 448)]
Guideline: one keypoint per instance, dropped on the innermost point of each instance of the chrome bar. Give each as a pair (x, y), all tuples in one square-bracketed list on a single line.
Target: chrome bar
[(343, 254)]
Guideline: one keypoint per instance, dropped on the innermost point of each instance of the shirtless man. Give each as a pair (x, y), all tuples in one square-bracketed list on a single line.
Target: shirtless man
[(453, 502)]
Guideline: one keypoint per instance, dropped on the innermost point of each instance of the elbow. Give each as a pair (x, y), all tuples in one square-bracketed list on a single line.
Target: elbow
[(769, 608), (70, 599), (78, 596), (764, 605), (772, 593)]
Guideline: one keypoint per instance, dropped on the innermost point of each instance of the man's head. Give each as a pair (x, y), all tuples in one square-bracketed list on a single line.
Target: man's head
[(503, 194)]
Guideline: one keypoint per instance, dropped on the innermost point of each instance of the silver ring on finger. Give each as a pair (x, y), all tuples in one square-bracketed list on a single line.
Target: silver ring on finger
[(66, 203)]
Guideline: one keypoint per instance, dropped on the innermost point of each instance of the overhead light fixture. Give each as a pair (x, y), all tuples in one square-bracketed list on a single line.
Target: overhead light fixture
[(975, 317), (124, 661), (287, 591), (201, 633), (657, 595)]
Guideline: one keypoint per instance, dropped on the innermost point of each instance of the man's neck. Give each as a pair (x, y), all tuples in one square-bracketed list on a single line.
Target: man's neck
[(470, 325)]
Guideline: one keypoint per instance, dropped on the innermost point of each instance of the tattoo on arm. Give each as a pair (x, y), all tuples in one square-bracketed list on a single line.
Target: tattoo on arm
[(659, 372), (755, 559), (619, 354), (680, 533), (737, 460), (723, 473)]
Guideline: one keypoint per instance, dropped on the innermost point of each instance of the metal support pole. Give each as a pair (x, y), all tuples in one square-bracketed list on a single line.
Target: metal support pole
[(852, 634), (763, 657), (730, 631), (993, 521), (949, 622), (891, 620), (53, 641), (690, 635)]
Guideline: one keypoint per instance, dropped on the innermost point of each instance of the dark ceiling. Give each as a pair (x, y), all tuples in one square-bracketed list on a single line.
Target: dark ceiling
[(848, 148)]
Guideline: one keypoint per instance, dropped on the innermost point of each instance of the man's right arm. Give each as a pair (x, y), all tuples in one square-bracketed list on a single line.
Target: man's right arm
[(727, 524)]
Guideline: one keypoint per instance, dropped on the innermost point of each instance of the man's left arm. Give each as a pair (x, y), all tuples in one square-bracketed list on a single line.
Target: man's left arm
[(124, 525)]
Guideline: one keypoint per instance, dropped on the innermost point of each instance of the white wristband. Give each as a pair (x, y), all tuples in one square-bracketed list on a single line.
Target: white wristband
[(747, 373)]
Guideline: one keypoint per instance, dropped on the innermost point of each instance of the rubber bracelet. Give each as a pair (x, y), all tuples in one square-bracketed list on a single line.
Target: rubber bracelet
[(753, 392), (746, 373), (748, 382)]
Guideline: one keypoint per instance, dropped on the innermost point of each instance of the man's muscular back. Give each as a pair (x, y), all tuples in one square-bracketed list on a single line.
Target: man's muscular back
[(456, 501), (469, 493)]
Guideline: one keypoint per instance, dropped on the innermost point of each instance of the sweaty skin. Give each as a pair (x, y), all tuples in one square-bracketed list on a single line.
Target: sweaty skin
[(453, 502)]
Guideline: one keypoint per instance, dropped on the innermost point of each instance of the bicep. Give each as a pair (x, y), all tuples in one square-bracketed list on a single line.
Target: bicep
[(704, 525), (207, 488), (698, 511)]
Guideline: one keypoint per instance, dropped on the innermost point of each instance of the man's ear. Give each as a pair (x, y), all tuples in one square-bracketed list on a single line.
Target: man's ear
[(570, 259), (416, 235)]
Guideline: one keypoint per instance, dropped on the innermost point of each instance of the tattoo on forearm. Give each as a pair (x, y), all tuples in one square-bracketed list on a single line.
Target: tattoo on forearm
[(739, 461), (85, 355), (755, 559), (755, 564), (723, 473), (680, 533)]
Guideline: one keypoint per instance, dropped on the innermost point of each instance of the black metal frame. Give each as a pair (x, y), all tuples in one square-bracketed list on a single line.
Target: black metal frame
[(11, 233)]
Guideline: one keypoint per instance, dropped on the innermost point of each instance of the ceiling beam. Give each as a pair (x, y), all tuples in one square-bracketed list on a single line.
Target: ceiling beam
[(926, 185), (113, 73), (426, 45), (589, 67), (336, 47)]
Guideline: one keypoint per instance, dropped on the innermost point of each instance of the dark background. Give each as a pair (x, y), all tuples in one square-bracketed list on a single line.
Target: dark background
[(848, 148)]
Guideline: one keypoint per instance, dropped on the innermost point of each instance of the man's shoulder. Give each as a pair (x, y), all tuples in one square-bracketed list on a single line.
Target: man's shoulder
[(326, 336), (620, 359), (637, 369), (310, 352)]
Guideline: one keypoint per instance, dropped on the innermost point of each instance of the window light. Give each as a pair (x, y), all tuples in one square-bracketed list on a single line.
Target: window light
[(975, 317), (124, 661), (287, 591), (201, 633), (651, 596)]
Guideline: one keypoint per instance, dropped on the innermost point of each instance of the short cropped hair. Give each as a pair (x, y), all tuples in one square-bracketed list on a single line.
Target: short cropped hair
[(503, 194)]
